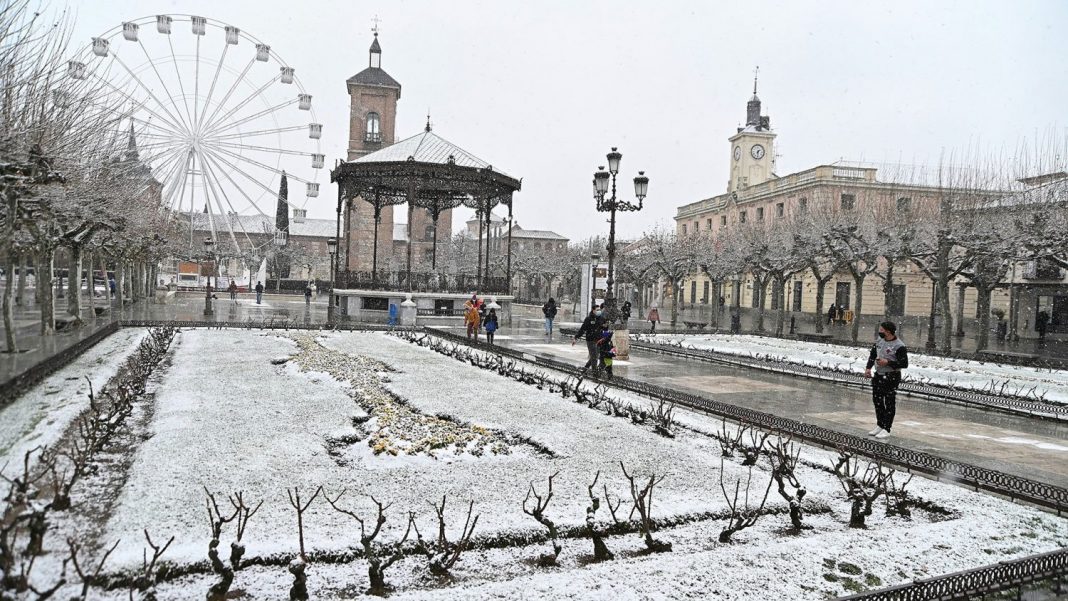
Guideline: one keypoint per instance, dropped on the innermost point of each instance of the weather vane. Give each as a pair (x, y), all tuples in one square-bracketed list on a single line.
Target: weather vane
[(756, 72), (376, 21)]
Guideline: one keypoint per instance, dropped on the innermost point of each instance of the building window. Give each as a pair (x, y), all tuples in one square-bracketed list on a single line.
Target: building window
[(696, 226), (741, 217), (849, 201), (704, 298), (723, 221), (374, 132), (780, 210), (684, 229), (708, 224), (802, 204), (904, 204), (760, 213), (693, 293)]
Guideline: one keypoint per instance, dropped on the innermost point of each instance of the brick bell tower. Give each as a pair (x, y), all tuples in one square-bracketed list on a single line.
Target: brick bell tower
[(373, 97)]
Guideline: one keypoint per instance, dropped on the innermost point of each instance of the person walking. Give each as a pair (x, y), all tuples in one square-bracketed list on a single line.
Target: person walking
[(232, 288), (832, 313), (591, 328), (624, 311), (654, 317), (471, 318), (1041, 323), (889, 356), (549, 311), (606, 350), (307, 296), (491, 325), (259, 292)]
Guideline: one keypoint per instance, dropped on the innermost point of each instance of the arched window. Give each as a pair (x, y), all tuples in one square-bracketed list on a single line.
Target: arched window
[(428, 232), (374, 133)]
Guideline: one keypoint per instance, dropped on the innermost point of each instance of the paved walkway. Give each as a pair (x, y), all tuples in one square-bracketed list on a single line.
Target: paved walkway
[(1032, 448)]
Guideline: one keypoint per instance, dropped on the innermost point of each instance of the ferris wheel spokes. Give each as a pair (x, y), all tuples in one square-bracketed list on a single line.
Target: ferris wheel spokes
[(230, 92), (299, 153), (262, 132), (148, 90), (260, 90), (162, 83), (263, 113)]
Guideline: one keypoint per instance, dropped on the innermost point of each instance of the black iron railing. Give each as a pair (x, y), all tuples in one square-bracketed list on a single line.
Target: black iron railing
[(399, 281), (1010, 485), (1050, 569)]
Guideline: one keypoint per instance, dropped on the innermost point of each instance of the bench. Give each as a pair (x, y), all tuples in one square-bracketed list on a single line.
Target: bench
[(101, 310), (814, 336), (65, 322), (700, 325)]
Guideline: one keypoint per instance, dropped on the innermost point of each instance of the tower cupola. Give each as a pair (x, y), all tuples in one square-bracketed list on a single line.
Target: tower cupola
[(375, 54), (752, 108)]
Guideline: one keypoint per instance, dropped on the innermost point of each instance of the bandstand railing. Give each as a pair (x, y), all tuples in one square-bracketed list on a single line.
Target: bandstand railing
[(399, 281)]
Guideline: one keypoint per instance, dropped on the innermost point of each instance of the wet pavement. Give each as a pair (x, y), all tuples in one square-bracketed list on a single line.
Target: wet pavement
[(1029, 447)]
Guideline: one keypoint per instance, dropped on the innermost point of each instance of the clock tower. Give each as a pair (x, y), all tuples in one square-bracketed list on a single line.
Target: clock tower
[(752, 148)]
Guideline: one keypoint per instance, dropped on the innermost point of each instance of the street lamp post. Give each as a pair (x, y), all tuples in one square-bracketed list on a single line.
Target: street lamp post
[(611, 204), (208, 310), (331, 245)]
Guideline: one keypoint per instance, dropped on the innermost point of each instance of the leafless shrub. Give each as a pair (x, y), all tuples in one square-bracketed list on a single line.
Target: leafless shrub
[(441, 553), (784, 458), (729, 442), (643, 503), (87, 578), (663, 414), (537, 511), (862, 488), (145, 582), (379, 556), (600, 550), (742, 515), (751, 452), (242, 513), (299, 564), (897, 498)]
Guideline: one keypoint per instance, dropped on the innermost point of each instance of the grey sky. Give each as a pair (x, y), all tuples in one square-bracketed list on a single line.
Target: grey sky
[(541, 90)]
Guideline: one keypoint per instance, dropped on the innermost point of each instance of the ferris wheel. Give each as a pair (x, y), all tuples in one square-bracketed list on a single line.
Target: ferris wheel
[(217, 115)]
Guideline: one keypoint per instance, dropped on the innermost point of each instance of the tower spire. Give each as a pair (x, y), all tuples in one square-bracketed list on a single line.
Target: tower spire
[(756, 72)]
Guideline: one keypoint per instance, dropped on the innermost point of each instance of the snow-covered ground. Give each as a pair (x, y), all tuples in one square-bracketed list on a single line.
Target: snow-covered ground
[(39, 417), (230, 415), (1050, 385)]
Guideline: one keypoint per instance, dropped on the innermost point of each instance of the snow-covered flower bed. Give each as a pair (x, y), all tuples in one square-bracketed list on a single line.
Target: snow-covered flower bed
[(258, 412), (1029, 382)]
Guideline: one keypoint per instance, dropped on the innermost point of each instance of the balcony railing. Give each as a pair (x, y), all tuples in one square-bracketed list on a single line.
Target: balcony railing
[(398, 281), (372, 137)]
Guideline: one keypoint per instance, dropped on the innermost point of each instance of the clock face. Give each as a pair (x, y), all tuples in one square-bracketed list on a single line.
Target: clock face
[(737, 152), (757, 151)]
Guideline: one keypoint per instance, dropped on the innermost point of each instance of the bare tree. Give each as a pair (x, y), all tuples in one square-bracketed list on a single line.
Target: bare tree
[(299, 564), (379, 556), (643, 503), (441, 553), (537, 511), (600, 550), (742, 515), (784, 459), (87, 578), (862, 488), (241, 515)]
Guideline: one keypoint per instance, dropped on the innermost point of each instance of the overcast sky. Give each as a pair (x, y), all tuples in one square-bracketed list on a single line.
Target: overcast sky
[(542, 90)]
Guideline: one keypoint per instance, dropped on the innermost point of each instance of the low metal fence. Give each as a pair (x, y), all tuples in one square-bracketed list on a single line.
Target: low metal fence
[(266, 324), (400, 281), (1047, 570), (1011, 404), (981, 478)]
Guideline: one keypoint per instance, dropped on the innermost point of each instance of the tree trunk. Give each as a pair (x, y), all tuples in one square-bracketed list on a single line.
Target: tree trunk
[(9, 310), (947, 315), (676, 290), (930, 344), (120, 288), (780, 286), (858, 304), (107, 282), (888, 290), (821, 287), (982, 339), (759, 287), (959, 330), (48, 302), (91, 287), (20, 291), (74, 285)]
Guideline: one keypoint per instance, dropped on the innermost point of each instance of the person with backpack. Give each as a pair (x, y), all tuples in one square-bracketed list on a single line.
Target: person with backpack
[(606, 350), (889, 356), (491, 325), (549, 310)]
